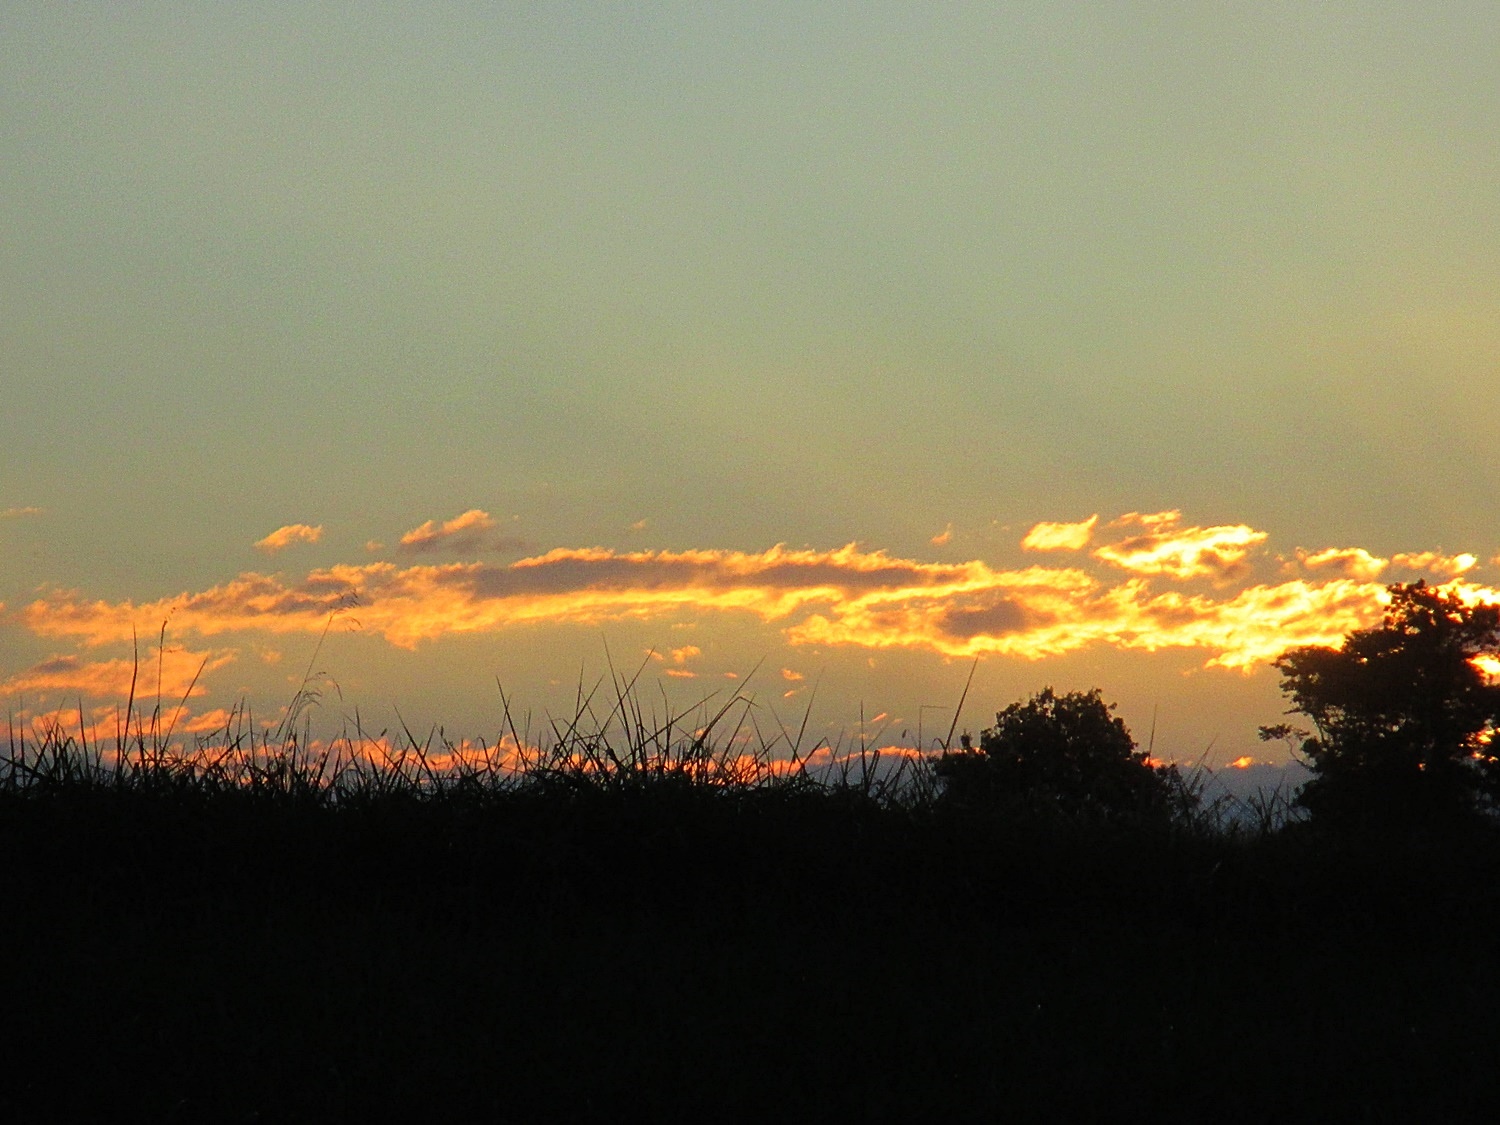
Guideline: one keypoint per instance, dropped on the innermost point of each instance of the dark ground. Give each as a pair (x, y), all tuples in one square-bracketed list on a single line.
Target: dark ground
[(176, 963)]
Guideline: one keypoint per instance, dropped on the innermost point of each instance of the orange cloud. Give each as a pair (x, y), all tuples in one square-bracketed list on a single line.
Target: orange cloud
[(1060, 536), (1445, 566), (1166, 549), (1060, 612), (585, 586), (1348, 562), (942, 538), (19, 513), (210, 722), (284, 537), (844, 596), (467, 532), (169, 676), (788, 674)]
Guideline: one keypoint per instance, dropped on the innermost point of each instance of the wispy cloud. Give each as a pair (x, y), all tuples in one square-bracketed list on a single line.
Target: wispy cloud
[(210, 722), (169, 675), (1432, 562), (1356, 562), (19, 513), (473, 530), (942, 538), (847, 596), (462, 531), (1164, 547), (284, 537), (680, 658), (1060, 536), (1348, 562)]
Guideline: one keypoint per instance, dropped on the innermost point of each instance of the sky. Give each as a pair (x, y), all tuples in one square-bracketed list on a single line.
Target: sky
[(807, 352)]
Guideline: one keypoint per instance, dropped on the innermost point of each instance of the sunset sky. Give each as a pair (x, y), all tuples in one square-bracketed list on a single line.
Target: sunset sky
[(1118, 346)]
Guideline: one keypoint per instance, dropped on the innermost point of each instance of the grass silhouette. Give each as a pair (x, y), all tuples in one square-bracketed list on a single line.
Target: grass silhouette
[(647, 914)]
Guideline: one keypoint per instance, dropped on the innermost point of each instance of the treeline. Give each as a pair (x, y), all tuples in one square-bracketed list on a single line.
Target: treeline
[(1404, 722)]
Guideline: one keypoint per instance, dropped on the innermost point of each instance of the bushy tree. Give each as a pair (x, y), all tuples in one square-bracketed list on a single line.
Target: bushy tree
[(1405, 718), (1066, 753)]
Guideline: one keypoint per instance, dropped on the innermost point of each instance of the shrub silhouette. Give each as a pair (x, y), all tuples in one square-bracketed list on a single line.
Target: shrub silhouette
[(1404, 716), (1061, 754)]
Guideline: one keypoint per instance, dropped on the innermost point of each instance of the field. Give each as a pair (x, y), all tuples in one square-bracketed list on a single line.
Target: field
[(640, 923)]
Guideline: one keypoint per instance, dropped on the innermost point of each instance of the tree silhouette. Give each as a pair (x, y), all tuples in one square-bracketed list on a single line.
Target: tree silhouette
[(1405, 717), (1061, 753)]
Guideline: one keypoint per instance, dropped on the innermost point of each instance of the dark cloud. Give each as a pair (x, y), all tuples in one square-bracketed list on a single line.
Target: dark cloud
[(994, 620)]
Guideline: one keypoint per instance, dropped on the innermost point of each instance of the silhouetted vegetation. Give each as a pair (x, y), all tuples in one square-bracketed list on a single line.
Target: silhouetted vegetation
[(1062, 755), (1404, 718), (661, 916)]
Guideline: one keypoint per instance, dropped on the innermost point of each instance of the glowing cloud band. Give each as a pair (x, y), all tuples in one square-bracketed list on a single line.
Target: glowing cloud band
[(847, 596)]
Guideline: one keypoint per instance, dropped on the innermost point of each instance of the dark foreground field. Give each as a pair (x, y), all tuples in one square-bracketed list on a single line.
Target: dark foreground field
[(664, 951)]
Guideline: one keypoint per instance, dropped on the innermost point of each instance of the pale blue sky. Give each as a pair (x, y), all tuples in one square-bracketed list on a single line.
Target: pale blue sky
[(750, 273)]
